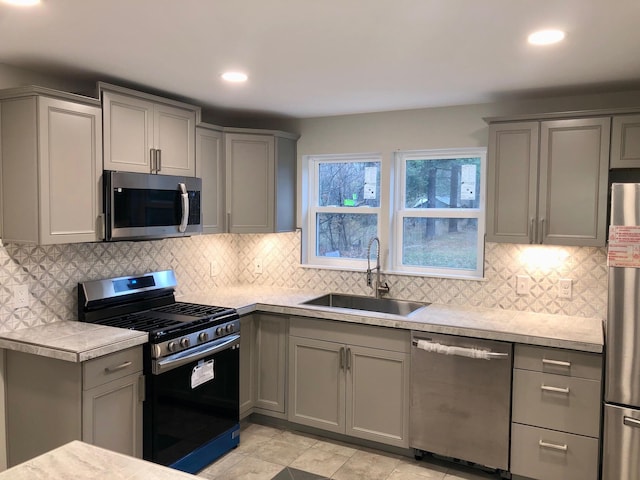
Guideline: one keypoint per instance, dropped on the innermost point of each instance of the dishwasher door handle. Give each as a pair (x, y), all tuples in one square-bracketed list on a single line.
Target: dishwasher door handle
[(469, 352)]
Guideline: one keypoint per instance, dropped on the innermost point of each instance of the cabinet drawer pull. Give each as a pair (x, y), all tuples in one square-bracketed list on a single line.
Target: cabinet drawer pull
[(553, 446), (159, 160), (341, 358), (554, 389), (557, 363), (531, 232), (122, 366), (541, 231), (348, 358), (631, 422)]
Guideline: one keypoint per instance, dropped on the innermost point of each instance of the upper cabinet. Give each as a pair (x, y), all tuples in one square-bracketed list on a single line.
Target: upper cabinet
[(547, 181), (51, 149), (260, 182), (210, 168), (147, 134), (625, 141)]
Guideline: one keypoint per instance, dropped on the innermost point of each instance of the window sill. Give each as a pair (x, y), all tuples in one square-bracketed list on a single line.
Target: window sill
[(393, 272)]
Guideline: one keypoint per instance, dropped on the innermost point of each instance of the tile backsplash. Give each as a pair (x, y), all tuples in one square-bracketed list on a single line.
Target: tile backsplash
[(52, 273)]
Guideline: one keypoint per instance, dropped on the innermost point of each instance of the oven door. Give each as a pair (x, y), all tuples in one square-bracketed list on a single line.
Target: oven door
[(191, 412)]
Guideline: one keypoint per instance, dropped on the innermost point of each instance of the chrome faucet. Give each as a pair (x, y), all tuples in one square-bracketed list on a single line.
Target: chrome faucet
[(378, 289)]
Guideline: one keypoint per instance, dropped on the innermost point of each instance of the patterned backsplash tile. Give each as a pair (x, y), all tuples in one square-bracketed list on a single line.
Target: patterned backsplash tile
[(52, 273)]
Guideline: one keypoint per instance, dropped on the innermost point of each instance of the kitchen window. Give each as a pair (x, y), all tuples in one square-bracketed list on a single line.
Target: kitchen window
[(430, 221), (439, 215), (344, 208)]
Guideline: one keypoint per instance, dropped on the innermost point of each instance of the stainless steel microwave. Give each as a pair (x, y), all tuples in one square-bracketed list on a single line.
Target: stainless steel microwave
[(141, 206)]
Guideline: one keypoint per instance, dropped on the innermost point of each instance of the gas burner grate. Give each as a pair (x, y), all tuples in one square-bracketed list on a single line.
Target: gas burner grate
[(192, 309), (140, 321)]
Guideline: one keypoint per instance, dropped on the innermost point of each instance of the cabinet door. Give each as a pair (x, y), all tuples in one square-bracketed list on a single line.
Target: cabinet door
[(271, 353), (174, 136), (128, 133), (573, 181), (70, 169), (210, 168), (378, 395), (625, 142), (250, 167), (112, 415), (247, 364), (512, 182), (317, 384)]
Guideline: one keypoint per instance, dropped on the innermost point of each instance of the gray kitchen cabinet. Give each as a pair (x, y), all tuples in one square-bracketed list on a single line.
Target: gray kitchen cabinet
[(625, 141), (147, 134), (555, 430), (50, 402), (51, 149), (271, 362), (547, 181), (210, 168), (342, 376), (247, 364), (260, 181)]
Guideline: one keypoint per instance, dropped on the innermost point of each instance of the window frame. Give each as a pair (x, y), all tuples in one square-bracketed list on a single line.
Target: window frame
[(312, 167), (401, 212)]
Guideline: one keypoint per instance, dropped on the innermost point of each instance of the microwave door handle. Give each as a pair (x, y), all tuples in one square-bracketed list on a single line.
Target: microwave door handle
[(185, 207)]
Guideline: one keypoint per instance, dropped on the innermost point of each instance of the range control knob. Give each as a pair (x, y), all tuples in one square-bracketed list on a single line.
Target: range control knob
[(229, 328), (184, 342), (172, 346), (203, 337), (219, 331)]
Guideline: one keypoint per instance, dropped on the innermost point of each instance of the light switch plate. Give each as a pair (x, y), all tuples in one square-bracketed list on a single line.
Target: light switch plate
[(523, 284)]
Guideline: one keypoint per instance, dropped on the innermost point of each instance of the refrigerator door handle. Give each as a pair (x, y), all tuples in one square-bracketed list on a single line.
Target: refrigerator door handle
[(631, 422)]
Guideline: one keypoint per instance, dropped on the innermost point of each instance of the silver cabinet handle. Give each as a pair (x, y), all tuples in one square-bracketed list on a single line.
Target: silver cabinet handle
[(152, 159), (341, 358), (158, 160), (185, 207), (122, 366), (631, 422), (553, 446), (557, 363), (548, 388), (541, 230), (531, 232), (228, 222), (348, 358)]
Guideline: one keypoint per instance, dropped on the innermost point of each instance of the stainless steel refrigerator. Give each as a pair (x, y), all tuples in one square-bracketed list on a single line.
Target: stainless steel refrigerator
[(621, 448)]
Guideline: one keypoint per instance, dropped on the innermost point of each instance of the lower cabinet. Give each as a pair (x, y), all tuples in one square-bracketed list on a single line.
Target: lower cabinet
[(263, 364), (51, 402), (350, 379), (555, 430)]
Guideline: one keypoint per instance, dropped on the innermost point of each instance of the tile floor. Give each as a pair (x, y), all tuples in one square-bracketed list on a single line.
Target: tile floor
[(267, 453)]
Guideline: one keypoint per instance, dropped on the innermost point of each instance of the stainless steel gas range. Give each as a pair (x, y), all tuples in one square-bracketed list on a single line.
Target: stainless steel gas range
[(191, 365)]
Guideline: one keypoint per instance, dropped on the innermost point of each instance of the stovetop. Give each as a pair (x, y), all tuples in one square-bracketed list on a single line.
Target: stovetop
[(173, 320)]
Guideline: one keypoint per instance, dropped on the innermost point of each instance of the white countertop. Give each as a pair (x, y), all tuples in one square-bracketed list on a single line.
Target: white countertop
[(81, 461), (71, 341), (562, 331)]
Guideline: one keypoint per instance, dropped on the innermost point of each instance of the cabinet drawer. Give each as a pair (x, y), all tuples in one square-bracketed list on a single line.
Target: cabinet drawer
[(557, 401), (549, 455), (558, 361), (111, 367)]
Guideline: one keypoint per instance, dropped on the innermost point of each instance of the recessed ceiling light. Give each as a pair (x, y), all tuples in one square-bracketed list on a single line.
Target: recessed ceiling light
[(22, 3), (546, 37), (235, 77)]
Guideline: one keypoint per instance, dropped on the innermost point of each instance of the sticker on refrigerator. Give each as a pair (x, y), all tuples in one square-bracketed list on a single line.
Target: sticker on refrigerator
[(624, 246), (202, 373)]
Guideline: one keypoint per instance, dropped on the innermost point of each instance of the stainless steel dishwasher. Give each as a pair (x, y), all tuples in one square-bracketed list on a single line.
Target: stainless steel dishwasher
[(461, 398)]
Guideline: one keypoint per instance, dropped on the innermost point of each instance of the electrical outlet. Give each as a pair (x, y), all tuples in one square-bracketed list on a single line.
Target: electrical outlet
[(564, 288), (257, 265), (523, 284), (213, 268), (20, 296)]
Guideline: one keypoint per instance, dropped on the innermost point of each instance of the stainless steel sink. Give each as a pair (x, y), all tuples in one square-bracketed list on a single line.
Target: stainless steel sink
[(370, 304)]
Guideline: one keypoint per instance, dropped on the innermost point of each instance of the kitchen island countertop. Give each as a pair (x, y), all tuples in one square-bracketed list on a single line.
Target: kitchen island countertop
[(71, 341), (561, 331), (78, 460)]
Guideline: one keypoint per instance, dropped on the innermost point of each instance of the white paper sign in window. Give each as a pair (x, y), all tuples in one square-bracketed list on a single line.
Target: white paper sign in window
[(467, 182), (202, 373)]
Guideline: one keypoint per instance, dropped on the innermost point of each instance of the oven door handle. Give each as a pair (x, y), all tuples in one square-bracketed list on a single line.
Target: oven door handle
[(182, 358)]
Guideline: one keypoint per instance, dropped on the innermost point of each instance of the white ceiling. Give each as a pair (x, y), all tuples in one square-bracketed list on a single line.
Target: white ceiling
[(308, 58)]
